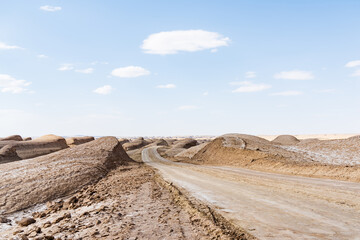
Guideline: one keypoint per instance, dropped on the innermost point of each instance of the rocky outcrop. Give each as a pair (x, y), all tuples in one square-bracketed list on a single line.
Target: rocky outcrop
[(37, 147), (27, 139), (12, 138), (74, 141), (29, 182), (8, 154)]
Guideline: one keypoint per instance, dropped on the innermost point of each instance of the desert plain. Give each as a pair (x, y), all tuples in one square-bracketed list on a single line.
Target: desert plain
[(233, 186)]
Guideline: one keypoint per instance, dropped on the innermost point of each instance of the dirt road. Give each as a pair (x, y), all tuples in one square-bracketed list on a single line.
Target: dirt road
[(270, 206)]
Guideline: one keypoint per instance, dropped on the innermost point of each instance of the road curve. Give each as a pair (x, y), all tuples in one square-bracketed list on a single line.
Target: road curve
[(270, 206)]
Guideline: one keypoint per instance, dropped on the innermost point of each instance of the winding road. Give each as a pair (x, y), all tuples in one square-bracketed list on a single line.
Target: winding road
[(267, 205)]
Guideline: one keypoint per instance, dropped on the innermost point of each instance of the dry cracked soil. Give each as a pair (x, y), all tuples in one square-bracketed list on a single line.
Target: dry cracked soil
[(131, 202)]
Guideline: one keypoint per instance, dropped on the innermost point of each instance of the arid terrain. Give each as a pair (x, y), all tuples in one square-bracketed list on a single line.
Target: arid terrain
[(234, 186)]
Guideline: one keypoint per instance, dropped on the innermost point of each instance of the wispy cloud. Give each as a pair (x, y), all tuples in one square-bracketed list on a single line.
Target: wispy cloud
[(12, 85), (250, 75), (294, 75), (188, 107), (48, 8), (205, 93), (4, 46), (287, 93), (173, 42), (107, 89), (167, 86), (66, 67), (355, 63), (130, 72), (42, 56), (85, 71), (247, 86)]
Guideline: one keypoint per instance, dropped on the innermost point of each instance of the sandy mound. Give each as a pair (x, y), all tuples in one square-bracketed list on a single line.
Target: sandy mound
[(38, 147), (174, 151), (190, 153), (245, 150), (28, 182), (123, 140), (137, 143), (8, 154), (286, 140), (12, 138), (159, 142), (170, 141), (74, 141), (185, 143), (231, 148)]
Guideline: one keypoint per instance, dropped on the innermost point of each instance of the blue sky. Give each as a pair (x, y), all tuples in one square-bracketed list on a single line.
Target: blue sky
[(130, 68)]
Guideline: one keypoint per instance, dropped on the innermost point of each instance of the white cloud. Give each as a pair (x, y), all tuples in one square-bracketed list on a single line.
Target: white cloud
[(167, 86), (50, 8), (205, 93), (173, 42), (86, 71), (4, 46), (107, 89), (294, 75), (287, 93), (130, 72), (66, 67), (247, 86), (351, 64), (250, 75), (356, 73), (214, 50), (188, 107), (42, 56), (12, 85)]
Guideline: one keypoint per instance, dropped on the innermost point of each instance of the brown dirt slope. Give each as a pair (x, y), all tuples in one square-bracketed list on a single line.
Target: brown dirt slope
[(259, 154), (78, 140), (131, 202), (28, 182), (190, 153)]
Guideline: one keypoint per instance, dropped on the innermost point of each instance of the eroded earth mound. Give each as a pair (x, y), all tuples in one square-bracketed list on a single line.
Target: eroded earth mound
[(37, 147), (12, 138), (8, 154), (286, 140), (137, 143), (29, 182), (74, 141)]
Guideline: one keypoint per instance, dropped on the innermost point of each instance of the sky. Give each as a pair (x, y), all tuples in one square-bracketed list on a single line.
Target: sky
[(165, 68)]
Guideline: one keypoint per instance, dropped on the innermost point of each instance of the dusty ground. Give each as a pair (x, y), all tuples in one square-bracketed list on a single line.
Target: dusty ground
[(270, 206), (127, 204)]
